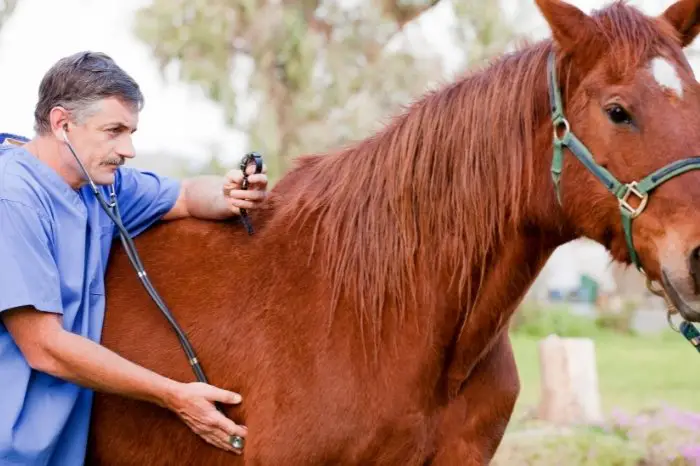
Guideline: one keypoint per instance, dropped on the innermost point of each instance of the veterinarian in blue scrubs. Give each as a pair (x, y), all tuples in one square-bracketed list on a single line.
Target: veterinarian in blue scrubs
[(54, 244)]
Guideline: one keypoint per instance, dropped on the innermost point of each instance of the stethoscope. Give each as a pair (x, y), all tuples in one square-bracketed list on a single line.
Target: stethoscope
[(112, 210)]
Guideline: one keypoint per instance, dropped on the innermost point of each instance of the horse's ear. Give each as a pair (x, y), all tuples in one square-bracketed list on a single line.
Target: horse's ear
[(571, 28), (684, 16)]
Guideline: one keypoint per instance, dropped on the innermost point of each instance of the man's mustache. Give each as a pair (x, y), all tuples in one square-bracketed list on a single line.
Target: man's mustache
[(115, 161)]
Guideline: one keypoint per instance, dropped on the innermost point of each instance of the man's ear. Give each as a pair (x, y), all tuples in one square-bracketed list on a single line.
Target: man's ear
[(59, 119), (684, 16)]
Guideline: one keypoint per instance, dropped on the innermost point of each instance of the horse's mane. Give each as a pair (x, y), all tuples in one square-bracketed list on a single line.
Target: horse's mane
[(449, 176)]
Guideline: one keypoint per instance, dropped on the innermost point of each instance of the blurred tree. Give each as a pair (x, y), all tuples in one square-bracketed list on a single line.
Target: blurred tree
[(6, 9), (482, 29), (301, 76)]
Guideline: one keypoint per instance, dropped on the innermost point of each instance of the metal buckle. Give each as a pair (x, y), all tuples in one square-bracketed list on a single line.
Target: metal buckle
[(643, 198), (558, 123)]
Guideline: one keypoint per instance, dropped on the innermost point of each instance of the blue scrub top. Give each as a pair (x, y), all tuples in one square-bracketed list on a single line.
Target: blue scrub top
[(54, 246)]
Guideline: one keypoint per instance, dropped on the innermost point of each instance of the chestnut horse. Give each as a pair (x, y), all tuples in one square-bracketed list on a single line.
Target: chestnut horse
[(365, 322)]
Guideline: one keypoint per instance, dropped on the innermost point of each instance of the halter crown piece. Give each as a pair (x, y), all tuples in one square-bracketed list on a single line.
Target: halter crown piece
[(622, 191)]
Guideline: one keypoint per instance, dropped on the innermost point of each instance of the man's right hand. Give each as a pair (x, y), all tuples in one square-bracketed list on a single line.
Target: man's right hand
[(194, 403), (49, 348)]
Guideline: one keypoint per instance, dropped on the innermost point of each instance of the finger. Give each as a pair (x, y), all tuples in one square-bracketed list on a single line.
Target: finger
[(259, 182), (238, 451), (230, 438), (250, 168), (219, 443), (228, 428), (259, 179), (259, 188), (243, 204), (207, 428), (249, 195), (234, 177), (217, 434), (213, 393)]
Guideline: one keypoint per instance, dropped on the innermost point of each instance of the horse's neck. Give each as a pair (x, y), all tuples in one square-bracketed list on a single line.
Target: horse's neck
[(496, 281), (430, 231)]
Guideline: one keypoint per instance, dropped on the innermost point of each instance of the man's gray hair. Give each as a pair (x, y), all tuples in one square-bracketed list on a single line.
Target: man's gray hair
[(78, 82)]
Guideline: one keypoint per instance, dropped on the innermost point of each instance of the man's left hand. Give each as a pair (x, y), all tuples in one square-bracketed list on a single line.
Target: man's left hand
[(250, 198)]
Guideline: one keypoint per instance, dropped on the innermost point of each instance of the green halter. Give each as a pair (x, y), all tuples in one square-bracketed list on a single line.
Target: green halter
[(622, 191)]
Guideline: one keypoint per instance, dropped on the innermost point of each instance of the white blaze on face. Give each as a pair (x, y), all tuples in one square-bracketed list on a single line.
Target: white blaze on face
[(666, 75)]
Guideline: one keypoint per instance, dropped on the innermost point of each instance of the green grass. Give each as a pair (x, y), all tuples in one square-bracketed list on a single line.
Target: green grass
[(634, 372)]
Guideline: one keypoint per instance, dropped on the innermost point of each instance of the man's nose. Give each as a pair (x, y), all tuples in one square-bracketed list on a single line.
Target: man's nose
[(126, 148)]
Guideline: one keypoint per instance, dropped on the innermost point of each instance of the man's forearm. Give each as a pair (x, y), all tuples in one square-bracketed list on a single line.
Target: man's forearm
[(83, 362), (48, 348), (205, 198)]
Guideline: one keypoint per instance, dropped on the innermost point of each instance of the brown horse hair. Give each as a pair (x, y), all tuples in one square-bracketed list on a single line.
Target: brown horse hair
[(379, 201)]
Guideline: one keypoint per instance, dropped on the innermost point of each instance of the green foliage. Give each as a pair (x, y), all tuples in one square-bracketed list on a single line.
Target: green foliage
[(540, 321), (586, 447), (537, 320), (661, 437), (649, 393), (618, 321), (634, 372), (640, 373)]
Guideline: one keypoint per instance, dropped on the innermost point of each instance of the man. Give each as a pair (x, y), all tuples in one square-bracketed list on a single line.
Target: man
[(54, 245)]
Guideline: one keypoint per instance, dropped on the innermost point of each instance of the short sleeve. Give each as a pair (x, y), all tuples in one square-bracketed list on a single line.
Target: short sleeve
[(144, 197), (28, 274)]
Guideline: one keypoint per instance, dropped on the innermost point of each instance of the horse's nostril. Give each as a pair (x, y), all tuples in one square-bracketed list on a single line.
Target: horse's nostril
[(694, 263), (695, 256)]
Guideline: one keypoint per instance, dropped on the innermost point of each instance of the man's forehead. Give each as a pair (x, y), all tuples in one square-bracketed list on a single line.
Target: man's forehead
[(116, 111)]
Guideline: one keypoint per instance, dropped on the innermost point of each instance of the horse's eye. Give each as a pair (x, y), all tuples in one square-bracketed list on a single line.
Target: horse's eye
[(618, 115)]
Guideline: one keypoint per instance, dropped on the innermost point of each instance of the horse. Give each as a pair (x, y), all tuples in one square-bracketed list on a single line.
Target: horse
[(366, 319)]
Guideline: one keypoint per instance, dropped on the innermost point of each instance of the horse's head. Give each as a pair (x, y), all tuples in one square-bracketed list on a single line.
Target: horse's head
[(627, 131)]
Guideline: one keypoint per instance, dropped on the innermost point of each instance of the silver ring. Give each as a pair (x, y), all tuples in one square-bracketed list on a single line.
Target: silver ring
[(236, 442)]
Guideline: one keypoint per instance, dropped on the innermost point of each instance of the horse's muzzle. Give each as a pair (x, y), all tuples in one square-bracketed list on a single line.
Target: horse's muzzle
[(682, 292)]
